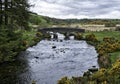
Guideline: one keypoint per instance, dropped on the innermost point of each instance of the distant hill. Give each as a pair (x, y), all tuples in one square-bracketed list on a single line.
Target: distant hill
[(44, 21)]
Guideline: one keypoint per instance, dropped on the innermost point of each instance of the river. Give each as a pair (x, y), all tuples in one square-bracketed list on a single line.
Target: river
[(50, 60)]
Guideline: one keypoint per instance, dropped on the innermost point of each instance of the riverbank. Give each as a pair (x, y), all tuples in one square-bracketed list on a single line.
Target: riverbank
[(33, 37), (10, 70), (113, 56), (66, 56), (107, 45), (105, 59)]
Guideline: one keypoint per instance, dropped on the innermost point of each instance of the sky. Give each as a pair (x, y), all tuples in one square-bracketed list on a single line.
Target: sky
[(77, 9)]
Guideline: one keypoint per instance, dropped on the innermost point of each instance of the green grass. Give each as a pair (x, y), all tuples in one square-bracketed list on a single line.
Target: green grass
[(114, 56), (28, 36), (102, 34)]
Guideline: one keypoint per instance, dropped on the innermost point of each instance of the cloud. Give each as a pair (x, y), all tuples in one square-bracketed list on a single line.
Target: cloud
[(77, 8)]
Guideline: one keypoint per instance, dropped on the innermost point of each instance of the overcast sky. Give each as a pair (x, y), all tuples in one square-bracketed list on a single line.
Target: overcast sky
[(77, 8)]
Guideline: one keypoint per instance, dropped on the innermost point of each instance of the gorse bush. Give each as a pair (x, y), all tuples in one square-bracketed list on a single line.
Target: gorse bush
[(91, 37), (78, 36)]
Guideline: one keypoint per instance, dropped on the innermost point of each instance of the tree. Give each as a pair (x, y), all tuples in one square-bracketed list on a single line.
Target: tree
[(14, 12), (1, 12), (14, 15)]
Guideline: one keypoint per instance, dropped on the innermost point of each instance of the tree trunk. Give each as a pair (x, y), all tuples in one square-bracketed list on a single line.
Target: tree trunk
[(1, 16), (6, 9)]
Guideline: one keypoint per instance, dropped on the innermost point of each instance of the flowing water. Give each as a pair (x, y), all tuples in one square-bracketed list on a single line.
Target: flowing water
[(50, 60)]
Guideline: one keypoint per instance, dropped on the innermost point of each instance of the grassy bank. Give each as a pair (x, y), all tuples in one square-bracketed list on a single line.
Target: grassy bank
[(114, 56), (10, 70), (28, 36), (102, 34), (33, 37)]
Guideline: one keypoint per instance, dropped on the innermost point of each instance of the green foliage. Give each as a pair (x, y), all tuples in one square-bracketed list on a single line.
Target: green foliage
[(39, 34), (91, 37), (109, 45), (104, 61), (110, 25), (47, 35), (103, 76), (38, 20), (107, 74), (102, 34), (111, 76), (15, 13), (100, 75), (116, 68), (114, 56), (64, 80), (14, 17), (78, 36), (10, 43)]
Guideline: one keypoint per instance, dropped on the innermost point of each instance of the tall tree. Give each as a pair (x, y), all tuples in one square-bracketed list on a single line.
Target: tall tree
[(14, 14), (5, 12), (1, 12)]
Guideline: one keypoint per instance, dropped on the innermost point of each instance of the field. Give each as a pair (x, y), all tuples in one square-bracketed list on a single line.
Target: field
[(102, 34)]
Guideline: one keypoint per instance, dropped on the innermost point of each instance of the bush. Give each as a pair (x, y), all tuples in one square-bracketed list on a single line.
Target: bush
[(110, 25), (39, 34), (47, 35), (104, 61), (91, 37), (10, 43), (78, 36), (117, 28), (64, 80)]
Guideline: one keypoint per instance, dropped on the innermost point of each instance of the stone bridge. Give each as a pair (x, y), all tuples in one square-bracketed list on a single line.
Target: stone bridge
[(60, 29)]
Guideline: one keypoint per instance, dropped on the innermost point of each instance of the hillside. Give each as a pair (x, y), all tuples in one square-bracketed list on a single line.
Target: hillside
[(44, 21)]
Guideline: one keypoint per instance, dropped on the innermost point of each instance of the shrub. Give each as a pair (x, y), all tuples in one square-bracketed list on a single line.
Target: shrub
[(91, 37), (110, 25), (104, 61), (117, 28), (25, 43), (64, 80), (78, 36), (39, 34)]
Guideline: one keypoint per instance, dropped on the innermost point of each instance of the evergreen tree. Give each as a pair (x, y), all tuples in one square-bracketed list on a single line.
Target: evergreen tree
[(14, 16)]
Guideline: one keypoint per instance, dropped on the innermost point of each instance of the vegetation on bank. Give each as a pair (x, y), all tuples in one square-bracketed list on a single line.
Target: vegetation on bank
[(16, 33), (14, 18), (102, 34), (108, 49), (114, 56), (103, 76), (39, 20)]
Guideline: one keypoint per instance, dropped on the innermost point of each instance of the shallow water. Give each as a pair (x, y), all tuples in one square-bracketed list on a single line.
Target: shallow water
[(50, 60)]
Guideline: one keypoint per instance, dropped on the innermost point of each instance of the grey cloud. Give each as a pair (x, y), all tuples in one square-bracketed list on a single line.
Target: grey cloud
[(76, 8)]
